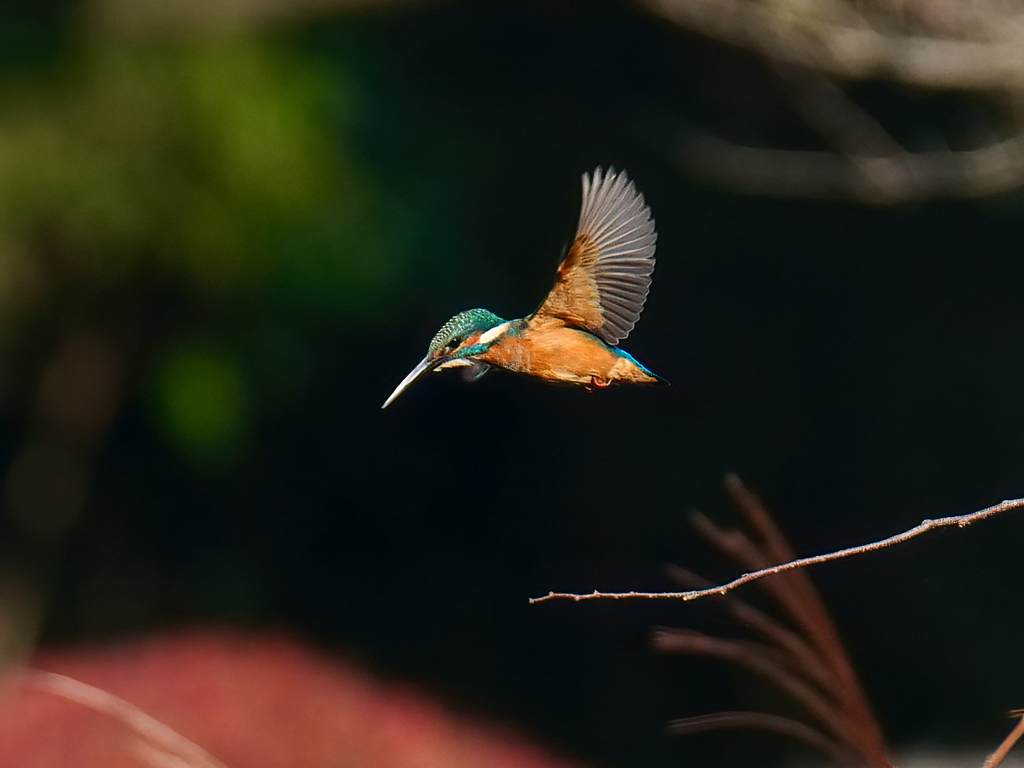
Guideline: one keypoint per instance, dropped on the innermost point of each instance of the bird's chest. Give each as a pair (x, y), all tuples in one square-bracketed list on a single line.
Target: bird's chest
[(563, 356)]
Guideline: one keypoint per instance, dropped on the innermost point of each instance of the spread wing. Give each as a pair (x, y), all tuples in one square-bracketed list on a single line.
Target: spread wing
[(602, 282)]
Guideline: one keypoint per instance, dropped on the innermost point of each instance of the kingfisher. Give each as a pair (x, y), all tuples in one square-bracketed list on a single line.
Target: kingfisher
[(572, 338)]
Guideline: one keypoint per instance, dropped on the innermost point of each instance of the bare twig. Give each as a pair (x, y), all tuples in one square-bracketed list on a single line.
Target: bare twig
[(959, 521), (1003, 749), (773, 631)]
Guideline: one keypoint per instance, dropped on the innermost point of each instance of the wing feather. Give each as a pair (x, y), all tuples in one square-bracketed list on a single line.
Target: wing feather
[(602, 283)]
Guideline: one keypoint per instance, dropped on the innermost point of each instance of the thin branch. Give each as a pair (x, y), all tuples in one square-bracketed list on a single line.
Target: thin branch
[(959, 521), (1003, 749), (800, 651)]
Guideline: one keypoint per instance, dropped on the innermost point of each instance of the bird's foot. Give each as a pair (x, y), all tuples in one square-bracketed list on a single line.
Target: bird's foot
[(597, 382)]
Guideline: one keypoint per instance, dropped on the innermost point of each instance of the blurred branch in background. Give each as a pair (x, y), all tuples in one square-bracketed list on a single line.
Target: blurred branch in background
[(156, 743), (209, 699), (800, 654), (822, 48), (799, 651)]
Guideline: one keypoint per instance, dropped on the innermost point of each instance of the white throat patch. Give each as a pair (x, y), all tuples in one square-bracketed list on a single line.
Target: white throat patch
[(488, 336)]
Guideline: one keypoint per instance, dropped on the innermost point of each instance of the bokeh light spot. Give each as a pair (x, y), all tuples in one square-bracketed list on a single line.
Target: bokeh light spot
[(201, 402)]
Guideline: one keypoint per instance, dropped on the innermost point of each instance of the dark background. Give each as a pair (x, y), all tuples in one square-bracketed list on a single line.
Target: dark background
[(265, 224)]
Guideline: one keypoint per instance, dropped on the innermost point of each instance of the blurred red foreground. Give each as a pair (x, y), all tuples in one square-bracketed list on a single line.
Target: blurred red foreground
[(263, 702)]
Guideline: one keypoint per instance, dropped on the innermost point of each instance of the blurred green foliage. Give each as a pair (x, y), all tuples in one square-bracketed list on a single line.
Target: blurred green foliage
[(210, 166), (203, 403), (197, 156)]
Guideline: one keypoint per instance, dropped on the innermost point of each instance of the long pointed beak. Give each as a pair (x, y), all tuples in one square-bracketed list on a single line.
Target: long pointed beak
[(424, 365)]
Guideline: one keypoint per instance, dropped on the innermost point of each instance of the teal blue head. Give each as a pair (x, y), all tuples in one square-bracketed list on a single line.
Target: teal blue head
[(456, 344)]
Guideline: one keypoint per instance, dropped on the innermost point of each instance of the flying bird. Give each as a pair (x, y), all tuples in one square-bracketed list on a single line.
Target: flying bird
[(600, 289)]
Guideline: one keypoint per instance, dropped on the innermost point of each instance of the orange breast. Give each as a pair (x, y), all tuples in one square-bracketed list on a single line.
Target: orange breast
[(558, 354)]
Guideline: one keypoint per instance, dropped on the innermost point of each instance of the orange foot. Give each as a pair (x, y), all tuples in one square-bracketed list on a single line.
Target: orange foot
[(598, 383)]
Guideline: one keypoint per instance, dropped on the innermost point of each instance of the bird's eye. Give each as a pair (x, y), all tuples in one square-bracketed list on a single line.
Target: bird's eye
[(454, 344)]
